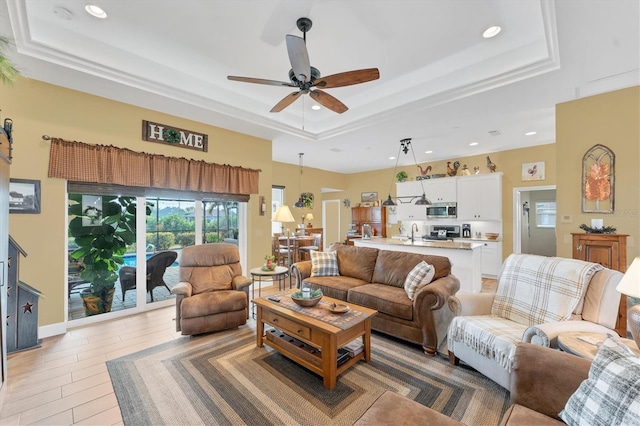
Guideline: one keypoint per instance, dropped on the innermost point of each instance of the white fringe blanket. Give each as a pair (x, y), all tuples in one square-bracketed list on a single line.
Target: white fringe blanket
[(492, 337)]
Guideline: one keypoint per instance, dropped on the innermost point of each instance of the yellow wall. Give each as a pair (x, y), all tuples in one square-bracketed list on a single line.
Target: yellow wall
[(38, 109), (611, 119)]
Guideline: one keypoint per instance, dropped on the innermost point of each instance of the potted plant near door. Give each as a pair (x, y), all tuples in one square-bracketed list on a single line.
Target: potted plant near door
[(102, 236)]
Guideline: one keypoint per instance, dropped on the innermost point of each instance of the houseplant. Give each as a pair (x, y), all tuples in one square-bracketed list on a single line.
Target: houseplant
[(102, 237), (8, 73), (402, 176)]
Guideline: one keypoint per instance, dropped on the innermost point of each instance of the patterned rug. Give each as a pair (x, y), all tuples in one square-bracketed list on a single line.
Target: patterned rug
[(223, 378)]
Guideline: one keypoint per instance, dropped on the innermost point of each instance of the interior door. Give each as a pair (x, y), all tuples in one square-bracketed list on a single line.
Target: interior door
[(331, 222)]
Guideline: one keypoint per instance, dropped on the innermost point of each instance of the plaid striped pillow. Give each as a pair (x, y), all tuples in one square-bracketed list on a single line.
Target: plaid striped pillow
[(611, 393), (422, 273), (324, 264)]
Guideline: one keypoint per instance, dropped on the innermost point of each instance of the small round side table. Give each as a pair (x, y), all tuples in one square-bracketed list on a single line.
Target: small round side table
[(280, 273), (585, 344)]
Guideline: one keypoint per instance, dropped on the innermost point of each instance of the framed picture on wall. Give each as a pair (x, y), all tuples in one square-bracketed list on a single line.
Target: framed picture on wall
[(24, 196), (533, 171), (368, 197)]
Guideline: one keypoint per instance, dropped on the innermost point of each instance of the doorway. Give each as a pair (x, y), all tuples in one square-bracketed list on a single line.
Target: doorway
[(534, 215), (331, 222)]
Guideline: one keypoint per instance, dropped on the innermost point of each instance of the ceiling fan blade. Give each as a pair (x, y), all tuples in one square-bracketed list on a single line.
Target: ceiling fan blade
[(328, 101), (286, 101), (260, 81), (299, 57), (348, 78)]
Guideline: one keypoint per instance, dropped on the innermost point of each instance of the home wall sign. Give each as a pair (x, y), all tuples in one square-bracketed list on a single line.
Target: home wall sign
[(170, 135)]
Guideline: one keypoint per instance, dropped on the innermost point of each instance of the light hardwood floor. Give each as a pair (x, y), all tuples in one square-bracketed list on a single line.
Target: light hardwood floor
[(66, 382)]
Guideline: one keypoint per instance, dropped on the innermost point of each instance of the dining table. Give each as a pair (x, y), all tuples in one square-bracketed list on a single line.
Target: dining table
[(293, 243)]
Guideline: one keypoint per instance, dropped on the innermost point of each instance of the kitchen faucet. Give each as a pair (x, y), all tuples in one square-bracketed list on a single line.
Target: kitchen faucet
[(414, 227)]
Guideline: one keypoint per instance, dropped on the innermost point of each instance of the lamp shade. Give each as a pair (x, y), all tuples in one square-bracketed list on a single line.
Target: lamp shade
[(283, 214), (309, 216), (630, 282)]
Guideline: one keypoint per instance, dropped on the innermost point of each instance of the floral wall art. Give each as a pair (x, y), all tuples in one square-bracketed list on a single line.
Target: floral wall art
[(598, 180)]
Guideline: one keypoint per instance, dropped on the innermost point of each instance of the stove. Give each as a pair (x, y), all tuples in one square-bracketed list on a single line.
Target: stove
[(442, 233)]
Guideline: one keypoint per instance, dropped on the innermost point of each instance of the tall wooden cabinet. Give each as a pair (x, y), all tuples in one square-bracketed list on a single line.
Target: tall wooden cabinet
[(610, 251), (374, 216)]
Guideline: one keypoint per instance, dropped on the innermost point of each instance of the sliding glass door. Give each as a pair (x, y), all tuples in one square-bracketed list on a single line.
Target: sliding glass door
[(109, 259)]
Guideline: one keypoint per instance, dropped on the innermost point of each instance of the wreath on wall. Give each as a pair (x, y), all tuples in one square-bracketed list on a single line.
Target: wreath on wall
[(171, 136)]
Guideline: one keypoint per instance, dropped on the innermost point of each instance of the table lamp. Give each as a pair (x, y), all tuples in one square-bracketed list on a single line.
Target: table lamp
[(283, 215), (309, 218), (629, 285)]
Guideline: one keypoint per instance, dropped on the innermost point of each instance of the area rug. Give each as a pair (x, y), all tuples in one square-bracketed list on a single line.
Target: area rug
[(224, 378)]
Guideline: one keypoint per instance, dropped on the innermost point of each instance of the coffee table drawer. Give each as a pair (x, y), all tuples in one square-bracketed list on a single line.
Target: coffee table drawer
[(287, 325)]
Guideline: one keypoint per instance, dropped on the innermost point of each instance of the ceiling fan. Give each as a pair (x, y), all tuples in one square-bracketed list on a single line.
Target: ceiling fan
[(305, 77)]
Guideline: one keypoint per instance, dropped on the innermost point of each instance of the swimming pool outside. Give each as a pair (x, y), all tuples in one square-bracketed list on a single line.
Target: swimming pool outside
[(130, 259)]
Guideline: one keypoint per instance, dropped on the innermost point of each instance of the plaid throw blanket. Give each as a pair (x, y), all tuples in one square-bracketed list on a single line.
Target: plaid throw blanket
[(536, 289), (492, 337)]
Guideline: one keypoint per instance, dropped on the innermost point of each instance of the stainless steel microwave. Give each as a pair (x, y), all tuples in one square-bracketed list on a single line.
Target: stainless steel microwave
[(442, 210)]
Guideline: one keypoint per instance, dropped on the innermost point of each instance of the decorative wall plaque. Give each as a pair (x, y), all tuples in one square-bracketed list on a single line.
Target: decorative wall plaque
[(598, 189), (170, 135)]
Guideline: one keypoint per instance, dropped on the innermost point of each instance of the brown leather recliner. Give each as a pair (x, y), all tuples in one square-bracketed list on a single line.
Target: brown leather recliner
[(212, 294)]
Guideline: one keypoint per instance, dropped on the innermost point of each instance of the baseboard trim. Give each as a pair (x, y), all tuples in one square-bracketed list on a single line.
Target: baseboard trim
[(51, 330)]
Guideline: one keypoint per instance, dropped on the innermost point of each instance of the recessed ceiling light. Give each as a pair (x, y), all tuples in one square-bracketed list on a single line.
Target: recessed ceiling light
[(491, 32), (530, 133), (473, 144), (428, 152), (316, 107), (392, 158), (96, 11)]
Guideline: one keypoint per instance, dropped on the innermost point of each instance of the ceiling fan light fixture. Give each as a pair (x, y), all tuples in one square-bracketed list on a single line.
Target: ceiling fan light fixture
[(491, 31), (96, 11)]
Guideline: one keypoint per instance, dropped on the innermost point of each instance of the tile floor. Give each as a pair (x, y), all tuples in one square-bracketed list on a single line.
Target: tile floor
[(66, 382)]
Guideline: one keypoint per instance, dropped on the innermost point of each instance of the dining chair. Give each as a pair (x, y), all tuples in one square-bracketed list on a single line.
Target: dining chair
[(304, 251), (279, 251)]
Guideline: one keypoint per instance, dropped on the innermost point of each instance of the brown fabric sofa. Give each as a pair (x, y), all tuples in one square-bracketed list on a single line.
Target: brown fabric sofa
[(375, 279), (542, 382)]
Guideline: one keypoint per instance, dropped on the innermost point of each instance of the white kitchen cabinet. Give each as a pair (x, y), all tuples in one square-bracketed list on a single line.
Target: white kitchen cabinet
[(408, 193), (491, 258), (441, 190), (480, 197)]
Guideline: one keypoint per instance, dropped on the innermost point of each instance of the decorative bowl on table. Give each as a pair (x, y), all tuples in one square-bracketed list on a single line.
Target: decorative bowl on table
[(266, 268), (307, 302), (491, 235)]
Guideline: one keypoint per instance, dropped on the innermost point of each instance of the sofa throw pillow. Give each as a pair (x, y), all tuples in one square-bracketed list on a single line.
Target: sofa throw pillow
[(611, 393), (324, 264), (421, 274)]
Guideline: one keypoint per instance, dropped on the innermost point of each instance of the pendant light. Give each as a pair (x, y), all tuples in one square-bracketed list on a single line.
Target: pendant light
[(300, 203), (405, 146), (389, 201), (422, 201)]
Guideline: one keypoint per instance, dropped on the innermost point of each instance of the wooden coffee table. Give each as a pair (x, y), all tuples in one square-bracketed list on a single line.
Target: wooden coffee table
[(317, 333)]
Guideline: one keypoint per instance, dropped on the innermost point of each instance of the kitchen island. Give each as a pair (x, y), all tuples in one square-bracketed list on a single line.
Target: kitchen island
[(465, 258)]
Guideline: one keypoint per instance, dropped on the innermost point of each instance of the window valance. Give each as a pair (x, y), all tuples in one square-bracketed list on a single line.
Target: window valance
[(82, 162)]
